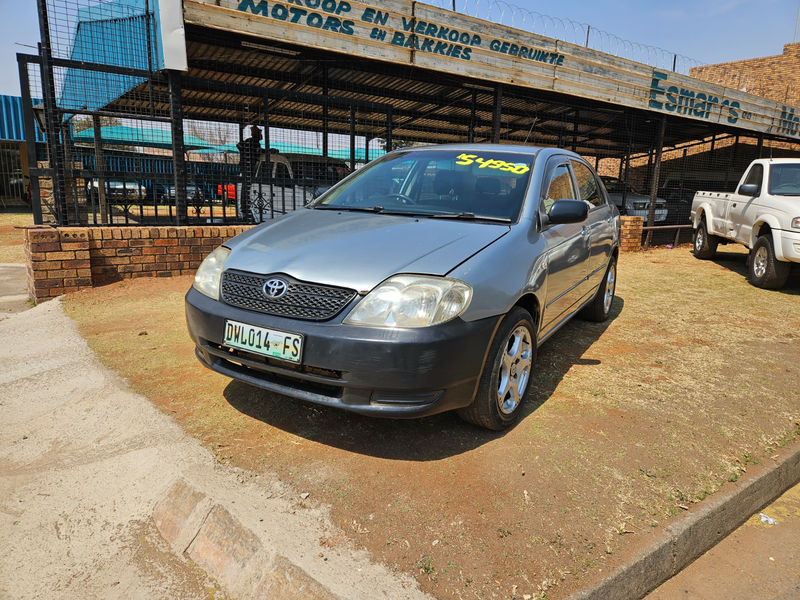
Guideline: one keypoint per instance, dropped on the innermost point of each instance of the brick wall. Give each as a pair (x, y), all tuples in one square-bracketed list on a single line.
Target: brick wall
[(771, 77), (631, 233), (61, 260), (68, 259)]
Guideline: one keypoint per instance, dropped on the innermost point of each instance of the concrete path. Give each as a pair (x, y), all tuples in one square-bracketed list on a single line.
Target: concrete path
[(102, 496), (760, 560), (13, 289)]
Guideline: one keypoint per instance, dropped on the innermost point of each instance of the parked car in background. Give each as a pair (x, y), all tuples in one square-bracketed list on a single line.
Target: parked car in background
[(118, 191), (636, 204), (164, 193), (423, 282)]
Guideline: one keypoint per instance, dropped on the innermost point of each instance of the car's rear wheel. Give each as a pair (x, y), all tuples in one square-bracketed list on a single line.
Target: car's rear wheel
[(506, 376), (599, 308), (705, 245), (765, 270)]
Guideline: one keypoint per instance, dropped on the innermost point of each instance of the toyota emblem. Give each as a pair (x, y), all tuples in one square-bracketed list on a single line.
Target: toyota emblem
[(275, 288)]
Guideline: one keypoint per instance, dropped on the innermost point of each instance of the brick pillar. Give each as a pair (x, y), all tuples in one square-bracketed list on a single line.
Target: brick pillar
[(57, 261), (631, 233)]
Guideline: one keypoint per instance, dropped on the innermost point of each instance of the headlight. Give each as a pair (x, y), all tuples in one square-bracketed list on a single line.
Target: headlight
[(796, 223), (206, 280), (412, 301)]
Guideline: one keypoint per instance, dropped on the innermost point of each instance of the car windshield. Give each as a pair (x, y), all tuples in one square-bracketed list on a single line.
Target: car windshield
[(784, 180), (475, 184)]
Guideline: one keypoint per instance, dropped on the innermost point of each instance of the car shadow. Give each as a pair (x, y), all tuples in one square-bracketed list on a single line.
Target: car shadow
[(737, 262), (428, 438)]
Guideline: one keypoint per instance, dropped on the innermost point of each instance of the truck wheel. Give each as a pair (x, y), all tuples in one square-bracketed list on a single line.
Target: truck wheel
[(506, 375), (765, 271), (600, 307), (705, 245)]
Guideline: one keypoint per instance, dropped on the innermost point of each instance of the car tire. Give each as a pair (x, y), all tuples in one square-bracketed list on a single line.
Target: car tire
[(765, 271), (506, 376), (600, 306), (704, 245)]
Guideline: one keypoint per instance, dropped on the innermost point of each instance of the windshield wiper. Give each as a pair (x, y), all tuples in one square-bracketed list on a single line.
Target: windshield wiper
[(469, 216), (375, 209)]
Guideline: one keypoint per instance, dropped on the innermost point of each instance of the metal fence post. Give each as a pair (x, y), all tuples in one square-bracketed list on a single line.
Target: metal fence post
[(30, 137), (178, 151), (51, 109)]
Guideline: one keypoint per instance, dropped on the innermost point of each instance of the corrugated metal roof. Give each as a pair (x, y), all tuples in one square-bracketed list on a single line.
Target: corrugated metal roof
[(146, 137), (11, 128)]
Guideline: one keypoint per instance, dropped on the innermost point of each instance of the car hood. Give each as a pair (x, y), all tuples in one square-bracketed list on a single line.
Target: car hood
[(358, 250)]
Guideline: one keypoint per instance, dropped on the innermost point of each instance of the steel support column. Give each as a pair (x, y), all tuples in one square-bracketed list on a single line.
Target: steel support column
[(178, 151), (651, 215), (352, 138), (497, 114)]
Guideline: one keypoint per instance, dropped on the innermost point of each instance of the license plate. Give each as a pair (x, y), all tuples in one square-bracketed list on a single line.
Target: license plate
[(267, 342)]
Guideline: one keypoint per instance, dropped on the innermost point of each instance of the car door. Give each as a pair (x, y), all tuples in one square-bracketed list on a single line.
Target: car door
[(601, 225), (567, 247), (742, 208)]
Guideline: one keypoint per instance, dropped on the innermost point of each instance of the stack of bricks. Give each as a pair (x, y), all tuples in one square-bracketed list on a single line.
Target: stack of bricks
[(631, 234), (72, 258)]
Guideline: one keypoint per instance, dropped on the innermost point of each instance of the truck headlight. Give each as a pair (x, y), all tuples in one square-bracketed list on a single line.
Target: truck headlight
[(206, 280), (412, 301), (796, 223)]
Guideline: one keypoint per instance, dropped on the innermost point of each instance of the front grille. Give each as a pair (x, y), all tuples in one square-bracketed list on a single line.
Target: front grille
[(301, 300)]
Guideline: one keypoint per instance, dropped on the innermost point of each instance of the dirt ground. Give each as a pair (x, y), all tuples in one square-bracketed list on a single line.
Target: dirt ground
[(11, 236), (630, 423)]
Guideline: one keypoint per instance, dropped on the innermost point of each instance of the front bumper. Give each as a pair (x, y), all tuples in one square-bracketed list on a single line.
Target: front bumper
[(373, 371), (660, 214), (790, 244)]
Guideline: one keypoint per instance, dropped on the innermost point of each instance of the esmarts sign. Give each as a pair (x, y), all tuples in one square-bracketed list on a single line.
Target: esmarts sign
[(681, 101)]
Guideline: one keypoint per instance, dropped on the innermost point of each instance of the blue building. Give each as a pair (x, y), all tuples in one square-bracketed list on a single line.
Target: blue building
[(14, 174)]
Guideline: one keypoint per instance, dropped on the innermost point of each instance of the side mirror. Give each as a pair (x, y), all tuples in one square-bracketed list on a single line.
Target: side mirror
[(748, 189), (567, 211)]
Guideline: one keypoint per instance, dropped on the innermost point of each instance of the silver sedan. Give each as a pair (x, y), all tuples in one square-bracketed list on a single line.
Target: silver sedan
[(421, 283)]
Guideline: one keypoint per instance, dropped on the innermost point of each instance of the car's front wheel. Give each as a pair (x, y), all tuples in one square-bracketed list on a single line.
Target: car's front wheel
[(765, 270), (506, 376)]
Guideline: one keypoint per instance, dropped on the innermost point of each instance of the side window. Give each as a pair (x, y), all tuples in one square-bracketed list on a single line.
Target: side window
[(559, 187), (756, 175), (587, 184)]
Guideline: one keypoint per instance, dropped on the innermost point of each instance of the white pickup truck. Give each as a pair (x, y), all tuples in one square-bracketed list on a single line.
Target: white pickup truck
[(763, 214)]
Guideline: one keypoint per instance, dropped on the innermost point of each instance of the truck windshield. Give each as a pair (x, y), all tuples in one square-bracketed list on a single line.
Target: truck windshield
[(784, 179), (478, 183)]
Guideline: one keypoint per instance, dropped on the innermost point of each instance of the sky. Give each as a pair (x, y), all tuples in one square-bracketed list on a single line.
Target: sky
[(707, 31)]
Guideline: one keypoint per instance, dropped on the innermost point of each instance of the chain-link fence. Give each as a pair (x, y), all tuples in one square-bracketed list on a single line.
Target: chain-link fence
[(258, 128)]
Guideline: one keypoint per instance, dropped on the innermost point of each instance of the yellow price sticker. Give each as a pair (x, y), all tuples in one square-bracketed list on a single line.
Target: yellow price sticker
[(492, 163)]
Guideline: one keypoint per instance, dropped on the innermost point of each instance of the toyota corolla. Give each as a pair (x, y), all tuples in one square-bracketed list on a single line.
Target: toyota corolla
[(423, 282)]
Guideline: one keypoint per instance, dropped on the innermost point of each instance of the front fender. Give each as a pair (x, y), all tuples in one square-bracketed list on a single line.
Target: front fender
[(775, 230)]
